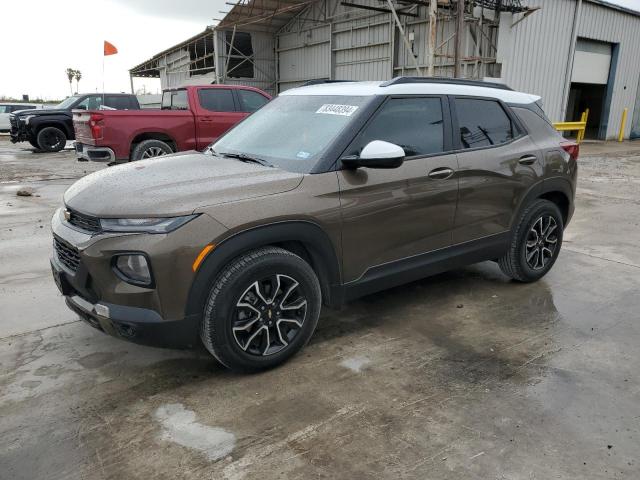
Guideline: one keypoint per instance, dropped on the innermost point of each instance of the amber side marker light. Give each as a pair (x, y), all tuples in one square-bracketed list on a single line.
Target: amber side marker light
[(202, 255)]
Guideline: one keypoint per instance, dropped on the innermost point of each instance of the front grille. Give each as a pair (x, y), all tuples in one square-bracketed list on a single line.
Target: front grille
[(13, 120), (67, 254), (84, 222)]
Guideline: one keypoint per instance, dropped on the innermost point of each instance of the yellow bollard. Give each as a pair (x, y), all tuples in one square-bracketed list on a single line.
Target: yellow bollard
[(586, 121), (583, 119), (622, 125)]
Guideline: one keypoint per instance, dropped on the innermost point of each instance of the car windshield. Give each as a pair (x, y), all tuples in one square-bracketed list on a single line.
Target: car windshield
[(66, 103), (292, 131)]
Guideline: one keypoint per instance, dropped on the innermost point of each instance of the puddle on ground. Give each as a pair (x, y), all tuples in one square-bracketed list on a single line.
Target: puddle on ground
[(179, 426), (355, 364)]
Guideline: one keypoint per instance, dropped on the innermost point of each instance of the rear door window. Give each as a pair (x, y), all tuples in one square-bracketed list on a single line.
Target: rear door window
[(416, 124), (92, 102), (251, 101), (482, 123), (119, 102), (216, 99)]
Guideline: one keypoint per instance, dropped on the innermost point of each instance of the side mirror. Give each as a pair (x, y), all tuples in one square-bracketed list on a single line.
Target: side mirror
[(80, 107), (377, 154)]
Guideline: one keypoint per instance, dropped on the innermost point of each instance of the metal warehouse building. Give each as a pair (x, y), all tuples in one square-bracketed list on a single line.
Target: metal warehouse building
[(576, 54)]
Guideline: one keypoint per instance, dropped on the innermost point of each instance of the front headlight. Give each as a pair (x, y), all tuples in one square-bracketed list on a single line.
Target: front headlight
[(26, 118), (147, 225)]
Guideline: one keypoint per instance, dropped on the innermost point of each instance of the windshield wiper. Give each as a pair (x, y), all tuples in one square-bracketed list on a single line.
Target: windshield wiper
[(246, 158)]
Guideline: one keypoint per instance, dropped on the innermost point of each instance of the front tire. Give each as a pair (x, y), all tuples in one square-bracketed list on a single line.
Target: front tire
[(51, 139), (34, 144), (150, 149), (262, 309), (535, 243)]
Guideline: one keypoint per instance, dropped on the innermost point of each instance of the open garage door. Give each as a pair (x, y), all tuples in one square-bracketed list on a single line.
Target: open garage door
[(590, 84)]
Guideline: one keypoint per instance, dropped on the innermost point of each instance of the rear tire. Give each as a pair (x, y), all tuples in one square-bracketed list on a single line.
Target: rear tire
[(262, 309), (51, 139), (535, 243), (149, 149)]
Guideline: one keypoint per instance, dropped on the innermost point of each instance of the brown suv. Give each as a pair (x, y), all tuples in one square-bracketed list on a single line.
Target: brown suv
[(327, 193)]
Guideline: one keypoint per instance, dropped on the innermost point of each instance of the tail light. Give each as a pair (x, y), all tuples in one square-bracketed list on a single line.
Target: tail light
[(572, 148), (95, 124)]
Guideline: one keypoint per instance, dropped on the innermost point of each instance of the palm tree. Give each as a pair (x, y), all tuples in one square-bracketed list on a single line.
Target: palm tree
[(78, 75), (70, 75)]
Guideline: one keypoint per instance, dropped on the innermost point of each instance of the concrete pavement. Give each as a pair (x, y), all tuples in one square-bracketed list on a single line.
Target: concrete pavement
[(463, 375)]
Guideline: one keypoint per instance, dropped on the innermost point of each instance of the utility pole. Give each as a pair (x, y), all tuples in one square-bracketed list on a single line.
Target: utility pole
[(431, 57), (457, 71)]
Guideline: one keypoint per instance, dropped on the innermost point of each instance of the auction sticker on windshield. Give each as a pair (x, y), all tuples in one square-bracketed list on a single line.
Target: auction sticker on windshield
[(332, 109)]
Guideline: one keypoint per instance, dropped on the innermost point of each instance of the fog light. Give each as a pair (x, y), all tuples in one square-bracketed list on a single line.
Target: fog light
[(134, 268)]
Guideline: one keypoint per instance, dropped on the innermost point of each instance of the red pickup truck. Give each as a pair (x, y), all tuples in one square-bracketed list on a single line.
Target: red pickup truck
[(190, 119)]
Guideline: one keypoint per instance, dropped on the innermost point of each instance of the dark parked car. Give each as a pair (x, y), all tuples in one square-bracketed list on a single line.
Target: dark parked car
[(49, 129), (327, 193)]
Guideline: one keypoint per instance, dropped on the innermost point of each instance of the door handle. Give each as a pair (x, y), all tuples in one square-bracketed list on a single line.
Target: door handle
[(528, 160), (206, 119), (441, 173)]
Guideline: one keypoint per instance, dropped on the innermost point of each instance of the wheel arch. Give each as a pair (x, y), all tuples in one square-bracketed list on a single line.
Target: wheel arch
[(59, 124), (306, 239), (142, 136), (557, 190)]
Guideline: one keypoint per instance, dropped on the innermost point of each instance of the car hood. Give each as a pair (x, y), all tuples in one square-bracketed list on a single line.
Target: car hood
[(174, 185), (41, 111)]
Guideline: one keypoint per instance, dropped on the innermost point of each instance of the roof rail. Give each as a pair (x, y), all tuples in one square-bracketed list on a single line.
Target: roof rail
[(453, 81), (319, 82)]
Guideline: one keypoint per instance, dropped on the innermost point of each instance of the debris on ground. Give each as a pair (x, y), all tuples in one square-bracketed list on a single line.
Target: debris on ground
[(25, 192)]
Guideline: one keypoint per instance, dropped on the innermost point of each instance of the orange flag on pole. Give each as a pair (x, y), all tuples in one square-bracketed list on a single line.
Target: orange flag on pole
[(109, 49)]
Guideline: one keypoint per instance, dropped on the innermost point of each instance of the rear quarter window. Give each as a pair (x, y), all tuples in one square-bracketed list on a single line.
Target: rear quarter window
[(537, 125)]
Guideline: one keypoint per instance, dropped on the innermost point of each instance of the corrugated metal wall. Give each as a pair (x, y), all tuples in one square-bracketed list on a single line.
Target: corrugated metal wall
[(352, 45), (362, 48), (358, 44), (264, 72), (303, 55), (606, 24), (535, 53)]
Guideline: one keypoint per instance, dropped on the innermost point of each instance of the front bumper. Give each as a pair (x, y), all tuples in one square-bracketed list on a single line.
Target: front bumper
[(148, 316), (139, 325), (95, 154), (20, 131)]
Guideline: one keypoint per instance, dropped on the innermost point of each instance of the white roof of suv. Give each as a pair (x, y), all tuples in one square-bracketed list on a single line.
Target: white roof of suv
[(418, 88)]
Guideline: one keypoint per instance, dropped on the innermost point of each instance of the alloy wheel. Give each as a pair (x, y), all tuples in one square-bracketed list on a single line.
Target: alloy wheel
[(542, 241), (53, 140), (153, 152), (269, 315)]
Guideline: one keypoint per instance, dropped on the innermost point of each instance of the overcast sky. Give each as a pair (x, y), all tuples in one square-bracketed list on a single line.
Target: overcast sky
[(40, 39)]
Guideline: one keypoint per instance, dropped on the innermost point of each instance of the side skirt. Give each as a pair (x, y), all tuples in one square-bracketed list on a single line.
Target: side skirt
[(424, 265)]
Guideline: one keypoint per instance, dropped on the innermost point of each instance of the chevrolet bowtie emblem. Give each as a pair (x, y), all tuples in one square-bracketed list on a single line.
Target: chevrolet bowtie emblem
[(67, 215)]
